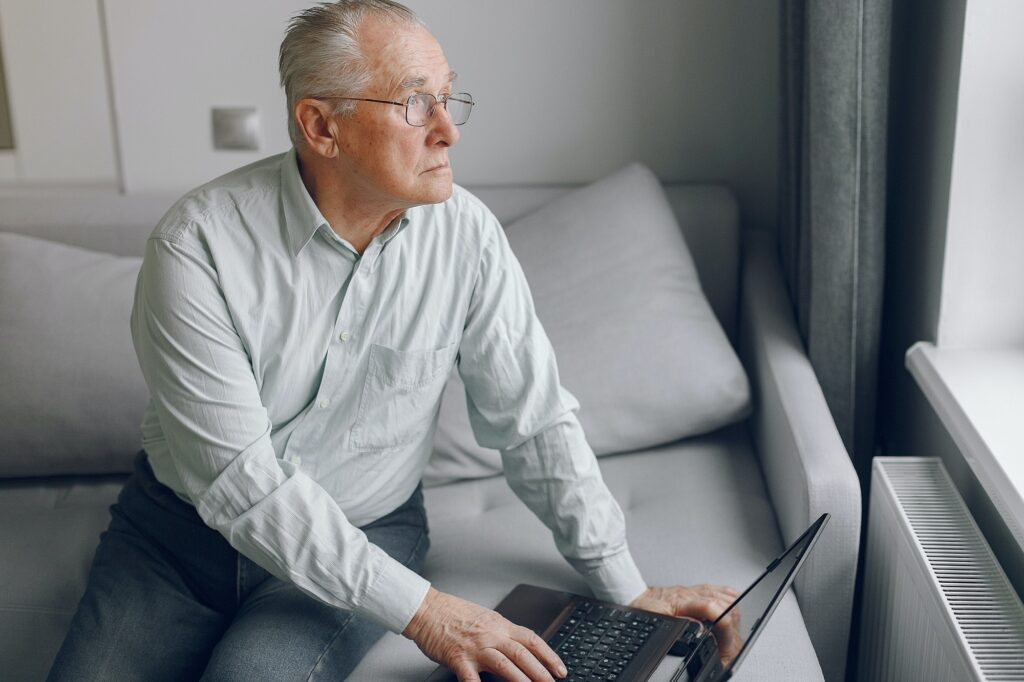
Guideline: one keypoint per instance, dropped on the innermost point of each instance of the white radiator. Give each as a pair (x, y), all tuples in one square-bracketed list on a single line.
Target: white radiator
[(936, 604)]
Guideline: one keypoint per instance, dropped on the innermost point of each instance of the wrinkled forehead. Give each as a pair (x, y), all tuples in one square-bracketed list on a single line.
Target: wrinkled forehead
[(403, 57), (419, 82)]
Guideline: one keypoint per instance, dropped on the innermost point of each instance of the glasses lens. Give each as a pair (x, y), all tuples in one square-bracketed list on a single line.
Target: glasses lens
[(418, 109), (459, 107)]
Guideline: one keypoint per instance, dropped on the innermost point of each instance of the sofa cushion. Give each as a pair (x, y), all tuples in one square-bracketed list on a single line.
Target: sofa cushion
[(637, 342), (51, 528), (73, 395)]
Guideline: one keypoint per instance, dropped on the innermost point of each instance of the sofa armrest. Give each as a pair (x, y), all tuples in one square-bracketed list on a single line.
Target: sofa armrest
[(806, 467)]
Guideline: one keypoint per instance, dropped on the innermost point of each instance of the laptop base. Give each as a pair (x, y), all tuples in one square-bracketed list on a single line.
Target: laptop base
[(547, 611)]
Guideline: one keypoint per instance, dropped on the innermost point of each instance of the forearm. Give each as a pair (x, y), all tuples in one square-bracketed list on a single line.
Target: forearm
[(556, 475), (287, 523), (298, 533)]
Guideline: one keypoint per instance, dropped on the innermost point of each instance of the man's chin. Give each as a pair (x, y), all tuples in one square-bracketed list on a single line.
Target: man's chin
[(439, 190)]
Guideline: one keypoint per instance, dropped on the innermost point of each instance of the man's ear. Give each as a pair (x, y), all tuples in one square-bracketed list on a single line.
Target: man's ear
[(316, 127)]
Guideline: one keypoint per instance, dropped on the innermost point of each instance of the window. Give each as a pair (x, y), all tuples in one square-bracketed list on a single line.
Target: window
[(973, 375), (6, 135)]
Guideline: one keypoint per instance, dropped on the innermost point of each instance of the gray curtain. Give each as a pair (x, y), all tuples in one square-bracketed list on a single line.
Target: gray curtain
[(835, 65)]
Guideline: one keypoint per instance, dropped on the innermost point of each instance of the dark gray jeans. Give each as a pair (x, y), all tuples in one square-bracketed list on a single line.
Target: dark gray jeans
[(169, 599)]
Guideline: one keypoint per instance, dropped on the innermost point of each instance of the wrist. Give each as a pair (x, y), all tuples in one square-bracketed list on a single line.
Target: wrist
[(415, 626), (640, 598)]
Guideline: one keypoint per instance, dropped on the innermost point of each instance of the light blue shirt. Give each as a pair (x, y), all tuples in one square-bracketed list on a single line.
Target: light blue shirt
[(295, 384)]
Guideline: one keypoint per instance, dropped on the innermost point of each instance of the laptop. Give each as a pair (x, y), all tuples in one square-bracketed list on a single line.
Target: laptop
[(598, 640)]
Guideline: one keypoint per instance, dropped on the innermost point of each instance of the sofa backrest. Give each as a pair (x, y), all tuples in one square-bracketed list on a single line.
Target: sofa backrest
[(666, 392), (120, 224)]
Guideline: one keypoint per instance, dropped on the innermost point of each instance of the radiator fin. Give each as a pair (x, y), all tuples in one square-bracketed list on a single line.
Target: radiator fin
[(927, 556)]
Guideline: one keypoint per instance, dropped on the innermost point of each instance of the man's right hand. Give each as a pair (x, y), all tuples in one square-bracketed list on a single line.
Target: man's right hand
[(470, 639)]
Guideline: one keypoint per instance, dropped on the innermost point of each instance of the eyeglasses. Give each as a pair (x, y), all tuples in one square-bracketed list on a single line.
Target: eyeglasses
[(420, 107)]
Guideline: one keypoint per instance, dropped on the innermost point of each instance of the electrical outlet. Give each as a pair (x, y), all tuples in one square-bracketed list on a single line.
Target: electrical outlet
[(236, 128)]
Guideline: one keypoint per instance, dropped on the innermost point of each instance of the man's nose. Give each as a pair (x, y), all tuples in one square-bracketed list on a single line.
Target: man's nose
[(442, 130)]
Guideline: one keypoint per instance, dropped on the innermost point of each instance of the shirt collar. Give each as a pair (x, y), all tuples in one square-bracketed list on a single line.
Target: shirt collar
[(376, 247), (393, 228), (302, 217)]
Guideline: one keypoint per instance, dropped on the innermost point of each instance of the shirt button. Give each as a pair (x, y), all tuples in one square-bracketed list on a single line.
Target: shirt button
[(345, 336), (325, 403), (297, 461)]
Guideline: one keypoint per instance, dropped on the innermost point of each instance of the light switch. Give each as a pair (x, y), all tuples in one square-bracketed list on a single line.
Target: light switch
[(236, 128)]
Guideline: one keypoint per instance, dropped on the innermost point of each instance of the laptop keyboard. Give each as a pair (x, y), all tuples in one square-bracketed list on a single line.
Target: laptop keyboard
[(598, 642)]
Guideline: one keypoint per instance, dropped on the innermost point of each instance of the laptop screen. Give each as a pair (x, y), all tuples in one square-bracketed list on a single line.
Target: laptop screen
[(755, 606)]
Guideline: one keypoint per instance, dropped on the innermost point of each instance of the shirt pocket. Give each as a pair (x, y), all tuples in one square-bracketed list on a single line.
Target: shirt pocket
[(400, 395)]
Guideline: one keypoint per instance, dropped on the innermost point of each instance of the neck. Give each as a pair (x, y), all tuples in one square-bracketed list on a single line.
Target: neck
[(344, 204)]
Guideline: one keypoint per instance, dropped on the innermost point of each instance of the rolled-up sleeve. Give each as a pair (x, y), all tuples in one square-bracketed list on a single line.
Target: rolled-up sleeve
[(518, 406), (208, 404)]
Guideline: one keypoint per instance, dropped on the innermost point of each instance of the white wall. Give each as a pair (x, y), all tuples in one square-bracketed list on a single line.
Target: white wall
[(171, 62), (983, 274), (567, 91), (57, 91)]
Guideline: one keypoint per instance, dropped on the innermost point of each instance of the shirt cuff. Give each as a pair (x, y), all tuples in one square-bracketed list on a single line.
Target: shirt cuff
[(616, 579), (394, 597)]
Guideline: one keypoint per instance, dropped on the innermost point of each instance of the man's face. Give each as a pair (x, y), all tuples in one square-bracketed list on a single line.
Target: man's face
[(394, 163)]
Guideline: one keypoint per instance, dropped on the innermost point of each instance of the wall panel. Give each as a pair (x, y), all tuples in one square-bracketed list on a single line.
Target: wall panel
[(57, 90)]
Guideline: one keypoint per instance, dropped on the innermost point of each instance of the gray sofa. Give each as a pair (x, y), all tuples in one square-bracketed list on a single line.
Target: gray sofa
[(714, 507)]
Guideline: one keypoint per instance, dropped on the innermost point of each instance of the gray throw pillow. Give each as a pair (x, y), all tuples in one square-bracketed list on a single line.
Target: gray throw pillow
[(71, 392), (636, 340)]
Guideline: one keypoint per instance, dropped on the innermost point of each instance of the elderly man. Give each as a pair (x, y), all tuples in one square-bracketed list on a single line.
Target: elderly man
[(295, 321)]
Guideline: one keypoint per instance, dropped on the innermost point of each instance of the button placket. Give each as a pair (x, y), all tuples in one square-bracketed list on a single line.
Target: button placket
[(343, 326), (324, 398), (316, 422)]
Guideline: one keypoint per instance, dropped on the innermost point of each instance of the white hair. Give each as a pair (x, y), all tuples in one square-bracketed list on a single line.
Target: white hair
[(320, 53)]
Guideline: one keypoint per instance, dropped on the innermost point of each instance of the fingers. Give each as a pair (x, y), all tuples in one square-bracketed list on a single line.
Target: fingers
[(539, 650), (704, 602), (724, 589), (727, 635), (515, 663), (498, 662), (705, 605), (512, 662), (701, 602), (519, 654), (464, 671), (717, 590), (727, 632), (509, 660), (718, 593)]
